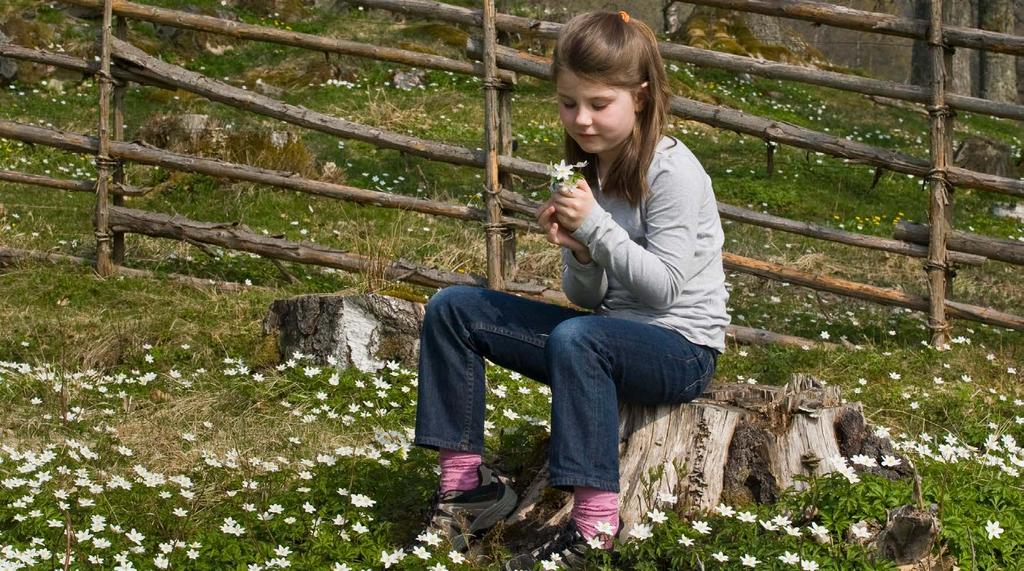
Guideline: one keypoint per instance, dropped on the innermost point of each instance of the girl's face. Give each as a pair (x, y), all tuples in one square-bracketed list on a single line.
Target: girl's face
[(598, 117)]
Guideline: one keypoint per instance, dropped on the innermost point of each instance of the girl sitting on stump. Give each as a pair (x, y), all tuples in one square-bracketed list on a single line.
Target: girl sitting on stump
[(641, 246)]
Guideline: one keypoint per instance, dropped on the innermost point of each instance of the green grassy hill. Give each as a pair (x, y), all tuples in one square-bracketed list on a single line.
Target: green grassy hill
[(162, 410)]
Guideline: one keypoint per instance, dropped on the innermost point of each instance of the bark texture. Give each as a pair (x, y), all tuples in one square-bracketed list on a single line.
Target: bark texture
[(736, 444), (998, 71), (361, 331)]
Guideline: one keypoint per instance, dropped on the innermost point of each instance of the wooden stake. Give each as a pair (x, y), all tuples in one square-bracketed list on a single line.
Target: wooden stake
[(938, 211), (101, 226), (508, 256), (495, 276), (119, 177)]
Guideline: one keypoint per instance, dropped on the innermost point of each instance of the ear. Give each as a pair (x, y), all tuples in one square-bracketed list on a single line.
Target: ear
[(640, 97)]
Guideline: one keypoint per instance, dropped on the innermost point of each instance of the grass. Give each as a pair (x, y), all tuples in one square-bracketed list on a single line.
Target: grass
[(184, 379)]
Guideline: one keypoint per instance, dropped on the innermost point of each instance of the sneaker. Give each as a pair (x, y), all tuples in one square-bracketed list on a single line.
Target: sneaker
[(460, 515), (568, 548)]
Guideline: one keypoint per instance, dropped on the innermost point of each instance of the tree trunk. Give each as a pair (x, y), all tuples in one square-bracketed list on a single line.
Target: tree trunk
[(736, 444), (998, 71), (965, 61)]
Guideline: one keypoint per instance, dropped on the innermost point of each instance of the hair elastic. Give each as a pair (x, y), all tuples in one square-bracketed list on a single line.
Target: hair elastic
[(624, 15)]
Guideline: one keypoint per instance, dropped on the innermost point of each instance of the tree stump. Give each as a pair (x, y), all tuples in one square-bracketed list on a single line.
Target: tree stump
[(736, 444), (361, 331)]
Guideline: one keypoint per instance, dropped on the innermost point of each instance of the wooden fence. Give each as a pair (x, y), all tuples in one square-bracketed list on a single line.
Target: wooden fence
[(499, 67)]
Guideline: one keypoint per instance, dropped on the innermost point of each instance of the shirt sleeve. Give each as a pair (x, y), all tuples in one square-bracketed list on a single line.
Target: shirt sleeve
[(655, 275), (584, 284)]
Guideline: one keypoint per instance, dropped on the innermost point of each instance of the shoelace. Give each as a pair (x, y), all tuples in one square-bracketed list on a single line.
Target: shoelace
[(559, 543)]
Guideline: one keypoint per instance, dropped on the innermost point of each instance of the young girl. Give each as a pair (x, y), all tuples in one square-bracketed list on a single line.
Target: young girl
[(641, 247)]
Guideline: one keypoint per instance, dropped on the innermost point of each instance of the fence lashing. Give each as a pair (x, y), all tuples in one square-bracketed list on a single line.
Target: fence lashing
[(119, 177), (101, 223), (494, 230), (940, 278), (939, 174)]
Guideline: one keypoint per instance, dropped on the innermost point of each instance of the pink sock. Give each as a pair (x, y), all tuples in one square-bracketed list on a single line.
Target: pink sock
[(458, 470), (591, 507)]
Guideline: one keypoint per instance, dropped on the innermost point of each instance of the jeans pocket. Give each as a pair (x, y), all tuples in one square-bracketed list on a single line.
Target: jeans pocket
[(696, 374)]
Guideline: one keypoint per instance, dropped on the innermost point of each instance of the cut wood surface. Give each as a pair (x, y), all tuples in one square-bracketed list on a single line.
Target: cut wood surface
[(1009, 251)]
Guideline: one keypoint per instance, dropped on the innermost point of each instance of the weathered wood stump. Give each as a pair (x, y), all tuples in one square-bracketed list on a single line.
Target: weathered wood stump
[(361, 331), (736, 444)]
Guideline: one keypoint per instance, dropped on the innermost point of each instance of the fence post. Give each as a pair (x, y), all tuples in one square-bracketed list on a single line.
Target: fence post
[(508, 256), (494, 228), (121, 32), (940, 207), (101, 219)]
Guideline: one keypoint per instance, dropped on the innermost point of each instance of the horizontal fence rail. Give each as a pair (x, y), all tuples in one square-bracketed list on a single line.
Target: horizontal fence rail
[(879, 23), (711, 58), (199, 84), (1009, 251), (12, 255), (146, 155), (789, 134), (240, 30), (874, 294), (135, 65), (236, 237)]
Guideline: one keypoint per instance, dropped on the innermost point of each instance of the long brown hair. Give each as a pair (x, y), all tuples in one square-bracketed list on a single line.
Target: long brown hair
[(617, 51)]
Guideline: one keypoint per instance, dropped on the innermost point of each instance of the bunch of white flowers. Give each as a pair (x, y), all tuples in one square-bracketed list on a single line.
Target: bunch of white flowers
[(564, 176)]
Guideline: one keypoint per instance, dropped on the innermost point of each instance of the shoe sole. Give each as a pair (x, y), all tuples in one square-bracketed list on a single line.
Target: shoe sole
[(487, 519)]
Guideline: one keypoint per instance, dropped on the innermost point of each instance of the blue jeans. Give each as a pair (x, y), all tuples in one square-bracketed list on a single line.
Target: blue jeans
[(590, 362)]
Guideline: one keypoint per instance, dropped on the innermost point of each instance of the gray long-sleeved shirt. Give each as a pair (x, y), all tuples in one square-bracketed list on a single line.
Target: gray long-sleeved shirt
[(659, 263)]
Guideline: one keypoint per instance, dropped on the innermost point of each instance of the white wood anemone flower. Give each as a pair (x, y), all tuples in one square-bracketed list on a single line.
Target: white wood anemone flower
[(564, 176)]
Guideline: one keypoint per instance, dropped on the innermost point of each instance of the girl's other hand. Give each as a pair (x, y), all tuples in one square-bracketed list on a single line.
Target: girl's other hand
[(573, 207), (558, 235)]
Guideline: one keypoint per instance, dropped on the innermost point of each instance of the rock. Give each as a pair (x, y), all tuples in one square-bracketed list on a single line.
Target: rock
[(985, 155), (8, 67), (675, 15), (1015, 211), (411, 79), (83, 12), (361, 331), (329, 5), (268, 89)]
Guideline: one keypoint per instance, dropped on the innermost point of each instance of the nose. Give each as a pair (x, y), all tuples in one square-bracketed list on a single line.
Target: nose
[(583, 117)]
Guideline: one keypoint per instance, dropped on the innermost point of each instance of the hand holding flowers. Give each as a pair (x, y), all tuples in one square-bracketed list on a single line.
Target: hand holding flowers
[(570, 203)]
